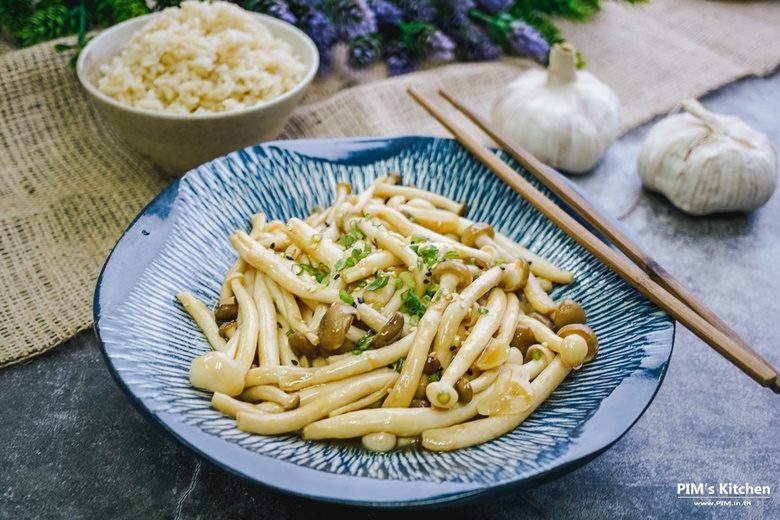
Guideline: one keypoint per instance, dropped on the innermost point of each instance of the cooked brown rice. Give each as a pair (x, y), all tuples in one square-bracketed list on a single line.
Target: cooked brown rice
[(201, 58)]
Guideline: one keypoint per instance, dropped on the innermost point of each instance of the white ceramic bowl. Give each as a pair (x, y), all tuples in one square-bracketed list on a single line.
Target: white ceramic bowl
[(179, 143)]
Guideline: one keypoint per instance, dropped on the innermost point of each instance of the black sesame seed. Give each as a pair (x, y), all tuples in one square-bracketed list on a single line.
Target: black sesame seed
[(503, 268), (453, 347), (337, 276), (273, 245), (278, 324), (361, 300), (294, 362), (428, 273), (426, 281), (290, 258)]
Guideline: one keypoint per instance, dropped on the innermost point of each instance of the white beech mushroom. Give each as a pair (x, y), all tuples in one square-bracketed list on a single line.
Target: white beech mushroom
[(389, 190), (268, 340), (393, 276), (366, 361), (403, 422), (216, 371), (403, 391), (442, 393), (483, 430), (294, 420), (280, 270), (496, 352), (573, 349), (510, 275), (538, 265), (204, 318)]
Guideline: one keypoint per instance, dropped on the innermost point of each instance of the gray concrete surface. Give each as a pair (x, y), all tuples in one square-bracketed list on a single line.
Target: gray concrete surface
[(72, 446)]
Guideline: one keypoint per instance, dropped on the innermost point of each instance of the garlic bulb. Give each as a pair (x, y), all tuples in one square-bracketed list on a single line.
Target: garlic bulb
[(563, 116), (708, 163)]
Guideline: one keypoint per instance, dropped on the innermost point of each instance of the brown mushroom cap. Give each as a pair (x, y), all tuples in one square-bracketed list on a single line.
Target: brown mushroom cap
[(568, 312), (547, 322), (515, 275), (301, 346), (474, 231), (226, 312), (587, 333), (334, 325), (523, 338), (465, 392), (345, 186), (390, 331), (454, 267)]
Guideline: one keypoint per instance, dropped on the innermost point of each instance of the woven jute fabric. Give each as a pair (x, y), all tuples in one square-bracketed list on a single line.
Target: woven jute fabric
[(69, 185)]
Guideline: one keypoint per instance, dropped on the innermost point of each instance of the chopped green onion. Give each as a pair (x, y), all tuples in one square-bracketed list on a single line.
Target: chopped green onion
[(349, 239), (364, 343), (346, 297), (483, 310), (379, 282)]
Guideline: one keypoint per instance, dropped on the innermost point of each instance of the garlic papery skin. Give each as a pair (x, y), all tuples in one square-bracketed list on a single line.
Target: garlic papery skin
[(708, 163), (564, 117)]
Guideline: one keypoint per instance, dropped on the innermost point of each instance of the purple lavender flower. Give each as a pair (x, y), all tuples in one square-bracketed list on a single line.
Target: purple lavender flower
[(420, 10), (318, 27), (456, 6), (364, 51), (426, 41), (281, 10), (398, 58), (276, 8), (350, 18), (385, 12), (473, 43), (524, 40), (438, 46), (494, 6), (324, 60)]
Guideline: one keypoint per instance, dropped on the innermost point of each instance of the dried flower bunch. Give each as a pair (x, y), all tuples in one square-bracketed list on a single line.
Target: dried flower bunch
[(400, 33)]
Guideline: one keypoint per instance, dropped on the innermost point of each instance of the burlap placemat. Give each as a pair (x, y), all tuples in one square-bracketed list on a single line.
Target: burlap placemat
[(69, 185)]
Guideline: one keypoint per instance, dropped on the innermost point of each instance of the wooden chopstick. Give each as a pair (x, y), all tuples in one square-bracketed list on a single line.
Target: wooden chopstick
[(750, 364), (555, 183)]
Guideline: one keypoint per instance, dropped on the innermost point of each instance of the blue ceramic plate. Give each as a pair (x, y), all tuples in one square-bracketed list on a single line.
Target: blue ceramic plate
[(180, 242)]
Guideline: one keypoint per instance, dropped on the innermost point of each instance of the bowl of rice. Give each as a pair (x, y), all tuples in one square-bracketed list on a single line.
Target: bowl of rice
[(192, 83)]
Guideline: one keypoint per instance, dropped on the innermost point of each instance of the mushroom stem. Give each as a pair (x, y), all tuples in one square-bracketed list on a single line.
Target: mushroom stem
[(293, 420), (572, 349), (388, 190), (203, 319), (268, 340), (323, 250), (484, 430), (216, 371), (459, 307), (280, 270), (403, 391), (353, 365), (442, 393)]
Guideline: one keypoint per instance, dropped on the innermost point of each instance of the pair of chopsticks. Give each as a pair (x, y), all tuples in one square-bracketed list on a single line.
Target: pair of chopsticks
[(635, 266)]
